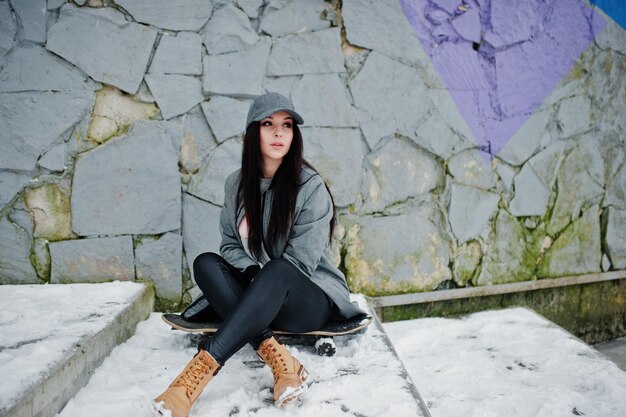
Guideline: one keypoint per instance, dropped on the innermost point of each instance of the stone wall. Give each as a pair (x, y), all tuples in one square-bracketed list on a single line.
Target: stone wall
[(465, 143)]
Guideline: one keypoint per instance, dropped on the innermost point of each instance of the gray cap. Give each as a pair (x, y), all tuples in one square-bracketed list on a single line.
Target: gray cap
[(268, 104)]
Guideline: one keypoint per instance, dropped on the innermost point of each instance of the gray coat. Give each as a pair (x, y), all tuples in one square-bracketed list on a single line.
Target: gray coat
[(307, 248)]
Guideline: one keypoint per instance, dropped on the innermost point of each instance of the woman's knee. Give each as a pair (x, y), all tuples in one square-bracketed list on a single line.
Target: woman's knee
[(204, 264)]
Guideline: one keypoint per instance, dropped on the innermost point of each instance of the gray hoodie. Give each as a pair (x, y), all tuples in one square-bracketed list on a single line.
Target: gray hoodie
[(307, 248)]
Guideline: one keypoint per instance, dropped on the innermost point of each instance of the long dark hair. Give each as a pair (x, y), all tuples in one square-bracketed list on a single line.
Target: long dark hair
[(285, 183)]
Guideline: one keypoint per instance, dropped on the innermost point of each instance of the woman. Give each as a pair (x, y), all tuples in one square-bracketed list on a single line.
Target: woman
[(274, 269)]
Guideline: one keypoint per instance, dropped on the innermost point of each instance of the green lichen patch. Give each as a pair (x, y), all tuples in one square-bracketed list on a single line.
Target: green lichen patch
[(466, 263), (114, 112), (577, 250), (594, 312), (512, 252), (49, 208)]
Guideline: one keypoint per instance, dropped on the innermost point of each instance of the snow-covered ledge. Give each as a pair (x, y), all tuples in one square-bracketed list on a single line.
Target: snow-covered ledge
[(54, 336)]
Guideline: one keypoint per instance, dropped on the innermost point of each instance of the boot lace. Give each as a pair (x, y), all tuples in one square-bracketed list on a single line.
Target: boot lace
[(193, 375), (274, 359)]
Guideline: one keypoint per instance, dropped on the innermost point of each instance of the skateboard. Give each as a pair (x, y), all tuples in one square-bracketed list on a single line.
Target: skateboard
[(323, 338)]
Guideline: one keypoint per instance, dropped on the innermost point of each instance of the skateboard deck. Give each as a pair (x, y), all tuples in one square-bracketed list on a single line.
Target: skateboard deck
[(351, 326), (323, 338)]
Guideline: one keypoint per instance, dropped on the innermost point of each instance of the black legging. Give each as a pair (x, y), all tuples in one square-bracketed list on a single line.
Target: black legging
[(279, 295)]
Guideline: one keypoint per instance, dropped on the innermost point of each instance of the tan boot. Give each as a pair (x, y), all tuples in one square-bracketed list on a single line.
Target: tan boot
[(183, 392), (289, 374)]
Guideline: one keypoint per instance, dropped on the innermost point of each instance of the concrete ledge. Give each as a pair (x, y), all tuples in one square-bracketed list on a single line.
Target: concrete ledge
[(47, 395), (592, 307), (410, 385)]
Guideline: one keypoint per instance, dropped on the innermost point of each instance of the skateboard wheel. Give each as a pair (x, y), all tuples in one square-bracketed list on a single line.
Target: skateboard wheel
[(325, 346)]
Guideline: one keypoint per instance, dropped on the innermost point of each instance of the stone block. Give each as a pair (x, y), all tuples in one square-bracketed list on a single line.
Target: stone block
[(307, 53), (117, 52), (511, 253), (322, 100), (8, 28), (472, 167), (170, 14), (467, 25), (49, 208), (612, 37), (25, 137), (208, 182), (435, 134), (114, 112), (398, 84), (92, 260), (54, 4), (197, 140), (470, 211), (527, 140), (531, 194), (391, 254), (10, 184), (160, 261), (606, 263), (32, 68), (180, 54), (546, 164), (238, 73), (580, 185), (615, 237), (228, 30), (466, 262), (506, 173), (338, 155), (282, 85), (32, 16), (15, 264), (175, 94), (616, 188), (129, 185), (54, 159), (250, 7), (283, 17), (226, 116), (574, 115), (383, 27), (41, 258), (398, 170), (201, 232), (577, 250)]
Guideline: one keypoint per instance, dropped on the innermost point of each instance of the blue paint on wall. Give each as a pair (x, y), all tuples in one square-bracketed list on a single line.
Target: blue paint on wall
[(616, 9)]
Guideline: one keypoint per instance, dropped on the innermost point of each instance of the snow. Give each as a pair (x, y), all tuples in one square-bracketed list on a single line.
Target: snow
[(363, 379), (509, 362), (41, 324)]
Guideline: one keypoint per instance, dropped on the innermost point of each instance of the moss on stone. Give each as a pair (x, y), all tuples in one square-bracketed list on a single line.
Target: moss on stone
[(512, 252), (594, 312), (576, 250), (49, 208), (40, 258), (466, 263)]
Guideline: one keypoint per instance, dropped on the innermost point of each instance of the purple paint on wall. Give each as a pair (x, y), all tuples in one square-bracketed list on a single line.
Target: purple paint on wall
[(526, 49)]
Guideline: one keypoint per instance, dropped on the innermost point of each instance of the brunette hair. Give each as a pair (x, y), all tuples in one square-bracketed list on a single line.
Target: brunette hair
[(285, 183)]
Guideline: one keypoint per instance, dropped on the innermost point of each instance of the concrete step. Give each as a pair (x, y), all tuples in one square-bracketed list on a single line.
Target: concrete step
[(53, 337), (364, 378), (510, 362), (615, 350)]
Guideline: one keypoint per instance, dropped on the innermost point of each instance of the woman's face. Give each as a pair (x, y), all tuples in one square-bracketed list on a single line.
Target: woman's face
[(276, 133)]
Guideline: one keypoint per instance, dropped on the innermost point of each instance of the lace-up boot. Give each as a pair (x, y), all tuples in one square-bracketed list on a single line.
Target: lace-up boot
[(183, 392), (289, 374)]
